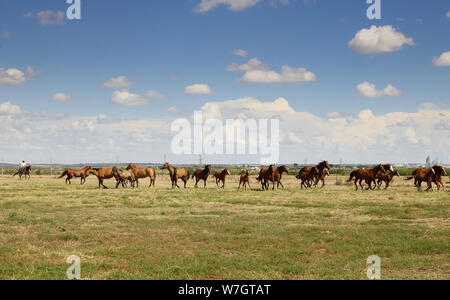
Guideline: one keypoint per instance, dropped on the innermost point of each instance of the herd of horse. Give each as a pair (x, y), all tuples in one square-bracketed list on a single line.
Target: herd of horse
[(309, 176)]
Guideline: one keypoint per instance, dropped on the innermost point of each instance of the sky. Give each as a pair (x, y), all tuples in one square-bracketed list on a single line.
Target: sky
[(107, 87)]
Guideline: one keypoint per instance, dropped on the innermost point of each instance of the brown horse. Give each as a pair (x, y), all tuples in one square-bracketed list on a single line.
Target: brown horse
[(245, 180), (26, 171), (437, 177), (421, 175), (265, 175), (320, 168), (321, 177), (176, 174), (202, 175), (307, 176), (221, 177), (102, 174), (369, 175), (277, 176), (388, 167), (386, 178), (76, 173), (124, 177), (142, 173)]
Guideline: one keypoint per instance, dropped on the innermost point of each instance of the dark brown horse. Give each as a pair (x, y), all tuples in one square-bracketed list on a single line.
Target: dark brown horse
[(307, 176), (320, 168), (202, 175), (82, 173), (277, 176), (245, 180), (176, 174), (321, 177), (102, 174), (25, 171), (265, 175), (221, 177), (421, 175), (439, 171), (142, 173), (386, 178), (369, 175)]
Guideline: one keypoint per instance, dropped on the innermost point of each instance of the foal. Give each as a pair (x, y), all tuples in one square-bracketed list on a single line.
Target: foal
[(245, 179), (386, 178), (221, 177)]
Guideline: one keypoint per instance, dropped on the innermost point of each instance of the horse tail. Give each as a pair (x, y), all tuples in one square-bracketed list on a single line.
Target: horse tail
[(189, 175), (63, 174), (352, 174)]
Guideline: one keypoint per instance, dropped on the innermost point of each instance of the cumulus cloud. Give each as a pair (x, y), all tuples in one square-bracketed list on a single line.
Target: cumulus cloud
[(61, 97), (239, 52), (234, 5), (443, 60), (125, 98), (198, 89), (16, 77), (368, 90), (363, 138), (379, 39), (154, 94), (7, 108), (118, 83), (257, 72), (48, 17)]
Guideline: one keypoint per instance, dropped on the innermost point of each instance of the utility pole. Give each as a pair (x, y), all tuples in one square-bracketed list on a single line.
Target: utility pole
[(200, 160), (51, 166)]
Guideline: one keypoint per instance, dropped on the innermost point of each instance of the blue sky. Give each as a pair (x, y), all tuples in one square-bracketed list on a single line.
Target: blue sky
[(152, 43)]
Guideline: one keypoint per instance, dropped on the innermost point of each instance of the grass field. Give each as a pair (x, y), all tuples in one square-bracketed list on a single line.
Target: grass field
[(221, 234)]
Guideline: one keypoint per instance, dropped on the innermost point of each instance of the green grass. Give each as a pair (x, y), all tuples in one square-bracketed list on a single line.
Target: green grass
[(221, 234)]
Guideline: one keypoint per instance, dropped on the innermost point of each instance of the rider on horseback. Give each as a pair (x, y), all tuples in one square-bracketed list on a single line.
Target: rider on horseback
[(23, 165)]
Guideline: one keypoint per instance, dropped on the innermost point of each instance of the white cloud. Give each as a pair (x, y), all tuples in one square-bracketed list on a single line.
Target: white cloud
[(239, 52), (7, 108), (15, 77), (126, 98), (257, 72), (118, 83), (364, 138), (443, 60), (154, 94), (198, 89), (379, 39), (234, 5), (368, 90), (175, 110), (61, 97), (48, 17)]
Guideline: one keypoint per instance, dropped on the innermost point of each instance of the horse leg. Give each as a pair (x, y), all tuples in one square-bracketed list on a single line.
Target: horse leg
[(387, 185), (204, 183), (185, 181)]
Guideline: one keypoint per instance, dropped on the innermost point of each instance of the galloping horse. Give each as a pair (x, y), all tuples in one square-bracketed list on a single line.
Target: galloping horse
[(221, 177), (103, 174), (421, 175), (369, 175), (277, 176), (321, 177), (265, 175), (307, 176), (386, 178), (142, 173), (318, 176), (76, 173), (245, 180), (202, 175), (437, 177), (24, 172), (176, 174)]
